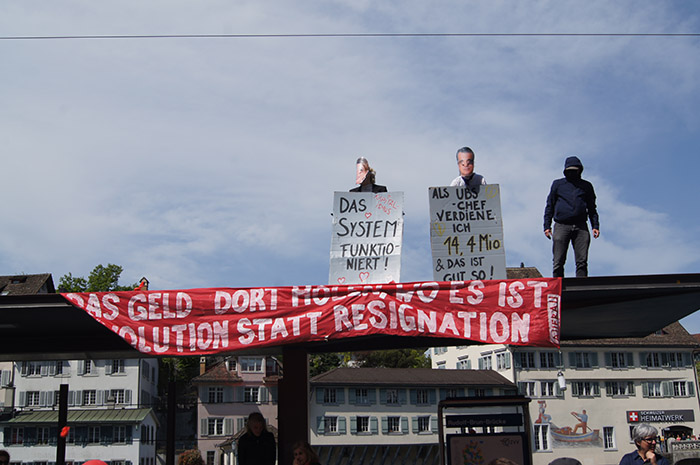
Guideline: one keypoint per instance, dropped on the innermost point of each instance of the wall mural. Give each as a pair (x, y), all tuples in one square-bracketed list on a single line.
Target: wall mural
[(579, 434)]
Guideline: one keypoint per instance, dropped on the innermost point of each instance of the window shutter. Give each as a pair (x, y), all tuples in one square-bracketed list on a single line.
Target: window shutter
[(44, 369), (433, 424), (22, 399), (596, 389), (6, 376), (645, 389), (352, 396), (665, 359), (127, 396), (228, 394), (687, 361), (353, 425), (129, 434), (481, 364), (414, 396), (99, 397), (342, 426), (574, 389), (81, 367), (108, 367), (414, 424), (240, 395), (507, 359), (385, 425), (572, 359), (557, 390), (404, 425), (517, 361), (691, 388), (521, 387), (51, 398), (373, 424), (228, 426), (319, 395), (608, 359), (340, 395), (372, 396), (66, 367), (594, 359), (643, 358), (382, 396), (402, 396), (262, 396), (42, 398), (52, 368), (320, 425), (23, 370), (666, 389), (431, 396), (240, 424), (204, 431), (443, 393), (7, 437)]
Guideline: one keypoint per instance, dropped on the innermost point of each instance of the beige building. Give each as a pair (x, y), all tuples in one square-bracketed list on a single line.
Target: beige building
[(610, 386)]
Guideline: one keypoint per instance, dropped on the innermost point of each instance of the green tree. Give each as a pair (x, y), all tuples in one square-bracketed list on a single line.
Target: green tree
[(395, 358), (321, 363), (101, 279)]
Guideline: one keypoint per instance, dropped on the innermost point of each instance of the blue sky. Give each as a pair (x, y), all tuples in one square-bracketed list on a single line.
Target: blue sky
[(212, 162)]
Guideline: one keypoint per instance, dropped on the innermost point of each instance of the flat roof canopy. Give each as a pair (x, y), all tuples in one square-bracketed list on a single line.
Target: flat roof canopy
[(48, 327)]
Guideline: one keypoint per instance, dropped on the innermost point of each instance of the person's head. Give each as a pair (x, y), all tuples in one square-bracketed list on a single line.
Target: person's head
[(4, 457), (645, 437), (573, 168), (256, 423), (465, 161), (303, 453), (502, 461), (365, 174)]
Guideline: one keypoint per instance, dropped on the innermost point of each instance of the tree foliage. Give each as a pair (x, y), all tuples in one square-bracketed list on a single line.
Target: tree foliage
[(191, 457), (395, 358), (321, 363), (101, 279)]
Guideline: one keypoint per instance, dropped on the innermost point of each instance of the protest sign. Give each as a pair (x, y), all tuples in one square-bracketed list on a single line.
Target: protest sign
[(208, 321), (366, 238), (466, 233)]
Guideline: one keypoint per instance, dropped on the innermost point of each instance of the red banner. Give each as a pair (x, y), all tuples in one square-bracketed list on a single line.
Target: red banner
[(206, 321)]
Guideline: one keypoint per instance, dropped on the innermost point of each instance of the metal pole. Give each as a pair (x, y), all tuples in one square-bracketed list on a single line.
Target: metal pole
[(62, 423)]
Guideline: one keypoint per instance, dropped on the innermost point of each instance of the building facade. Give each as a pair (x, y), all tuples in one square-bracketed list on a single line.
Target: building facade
[(109, 411), (610, 385), (390, 406), (228, 392)]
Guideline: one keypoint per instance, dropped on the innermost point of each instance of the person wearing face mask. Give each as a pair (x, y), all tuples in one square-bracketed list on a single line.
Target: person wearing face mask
[(571, 202), (365, 178), (467, 177)]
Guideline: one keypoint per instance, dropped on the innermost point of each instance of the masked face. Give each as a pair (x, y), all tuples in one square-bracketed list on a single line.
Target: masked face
[(572, 174), (361, 174), (466, 164)]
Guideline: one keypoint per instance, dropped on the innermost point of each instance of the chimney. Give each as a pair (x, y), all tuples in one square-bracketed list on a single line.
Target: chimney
[(202, 365)]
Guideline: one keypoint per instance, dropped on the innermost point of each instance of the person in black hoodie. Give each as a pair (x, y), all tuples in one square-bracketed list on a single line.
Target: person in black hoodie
[(571, 202), (257, 446)]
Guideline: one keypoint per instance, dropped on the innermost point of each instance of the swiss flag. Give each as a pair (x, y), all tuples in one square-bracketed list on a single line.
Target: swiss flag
[(632, 417)]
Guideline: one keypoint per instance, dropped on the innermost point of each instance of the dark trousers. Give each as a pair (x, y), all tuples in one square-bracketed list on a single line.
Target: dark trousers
[(580, 238)]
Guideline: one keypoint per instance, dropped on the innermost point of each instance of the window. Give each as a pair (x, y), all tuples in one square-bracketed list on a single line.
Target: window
[(439, 350), (363, 425), (652, 389), (119, 434), (478, 392), (549, 389), (609, 437), (424, 424), (394, 424), (32, 398), (585, 389), (527, 388), (17, 435), (118, 366), (618, 359), (503, 361), (42, 435), (59, 368), (89, 397), (215, 426), (211, 456), (619, 388), (451, 393), (485, 362), (118, 395), (88, 367), (93, 434), (549, 360), (250, 364), (441, 365), (251, 394), (361, 396), (653, 360), (541, 437), (31, 368), (583, 359), (422, 397), (392, 396), (675, 359), (216, 395), (329, 396), (682, 389), (331, 425), (525, 359), (464, 363)]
